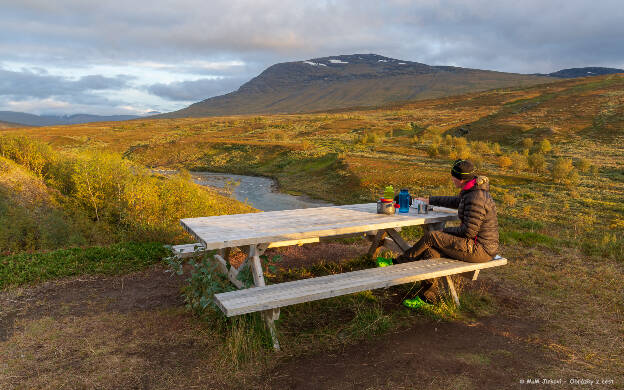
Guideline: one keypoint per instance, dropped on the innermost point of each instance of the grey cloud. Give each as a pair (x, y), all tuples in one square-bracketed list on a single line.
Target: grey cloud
[(507, 35), (27, 84), (194, 90), (502, 35)]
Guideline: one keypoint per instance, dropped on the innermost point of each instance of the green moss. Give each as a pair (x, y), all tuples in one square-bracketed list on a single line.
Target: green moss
[(26, 268), (527, 238)]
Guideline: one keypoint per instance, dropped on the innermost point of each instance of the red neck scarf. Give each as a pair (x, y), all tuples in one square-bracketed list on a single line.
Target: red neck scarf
[(470, 184)]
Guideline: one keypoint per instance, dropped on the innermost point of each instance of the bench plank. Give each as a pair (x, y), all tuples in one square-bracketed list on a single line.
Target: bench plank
[(284, 294)]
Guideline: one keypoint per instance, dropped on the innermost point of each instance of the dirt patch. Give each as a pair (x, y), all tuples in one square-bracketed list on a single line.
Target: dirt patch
[(428, 355), (89, 295)]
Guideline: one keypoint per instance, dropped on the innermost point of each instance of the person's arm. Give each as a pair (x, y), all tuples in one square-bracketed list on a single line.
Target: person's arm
[(451, 202), (474, 214)]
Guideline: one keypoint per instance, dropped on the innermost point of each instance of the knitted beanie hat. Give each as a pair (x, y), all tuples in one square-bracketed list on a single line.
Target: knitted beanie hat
[(463, 169)]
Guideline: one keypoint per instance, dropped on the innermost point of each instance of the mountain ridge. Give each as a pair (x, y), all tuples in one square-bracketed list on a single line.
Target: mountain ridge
[(26, 119), (349, 80), (588, 71)]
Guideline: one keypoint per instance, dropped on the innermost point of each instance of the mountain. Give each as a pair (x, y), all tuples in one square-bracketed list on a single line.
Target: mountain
[(24, 119), (348, 81), (583, 72)]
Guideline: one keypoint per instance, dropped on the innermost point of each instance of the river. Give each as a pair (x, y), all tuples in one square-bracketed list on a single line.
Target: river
[(260, 192)]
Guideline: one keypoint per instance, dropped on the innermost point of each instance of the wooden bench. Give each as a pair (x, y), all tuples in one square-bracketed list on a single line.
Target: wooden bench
[(274, 296)]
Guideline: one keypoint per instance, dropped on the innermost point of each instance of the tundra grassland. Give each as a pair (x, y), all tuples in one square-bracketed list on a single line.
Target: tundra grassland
[(553, 154)]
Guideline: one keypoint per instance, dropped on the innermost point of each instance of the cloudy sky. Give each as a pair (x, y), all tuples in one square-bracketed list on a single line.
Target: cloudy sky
[(132, 57)]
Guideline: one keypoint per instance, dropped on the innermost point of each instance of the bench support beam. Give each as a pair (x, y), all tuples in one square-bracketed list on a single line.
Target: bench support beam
[(451, 288), (473, 275)]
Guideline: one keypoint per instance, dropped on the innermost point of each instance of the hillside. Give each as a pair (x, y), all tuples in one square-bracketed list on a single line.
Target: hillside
[(349, 81), (25, 119), (6, 125)]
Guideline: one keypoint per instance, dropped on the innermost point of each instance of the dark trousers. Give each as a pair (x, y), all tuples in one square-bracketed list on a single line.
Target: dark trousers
[(439, 244)]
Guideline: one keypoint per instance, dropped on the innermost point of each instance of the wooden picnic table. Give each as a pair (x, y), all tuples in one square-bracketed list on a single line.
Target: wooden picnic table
[(256, 232)]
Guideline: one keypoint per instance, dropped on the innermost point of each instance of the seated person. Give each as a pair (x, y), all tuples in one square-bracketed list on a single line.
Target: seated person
[(475, 240)]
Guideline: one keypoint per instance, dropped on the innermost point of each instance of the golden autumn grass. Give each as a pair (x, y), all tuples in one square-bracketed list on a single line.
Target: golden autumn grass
[(563, 233)]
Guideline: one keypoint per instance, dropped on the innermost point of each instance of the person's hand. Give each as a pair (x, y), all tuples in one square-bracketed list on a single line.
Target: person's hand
[(424, 200)]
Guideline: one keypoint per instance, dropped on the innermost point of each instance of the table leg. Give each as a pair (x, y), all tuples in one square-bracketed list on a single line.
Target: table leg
[(396, 237), (255, 251), (377, 243)]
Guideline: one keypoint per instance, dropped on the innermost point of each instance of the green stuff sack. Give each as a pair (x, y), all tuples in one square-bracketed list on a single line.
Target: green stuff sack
[(383, 261), (415, 303)]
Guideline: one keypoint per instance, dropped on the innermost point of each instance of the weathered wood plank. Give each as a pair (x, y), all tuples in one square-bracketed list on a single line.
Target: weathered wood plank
[(289, 293), (293, 242), (187, 250), (303, 224)]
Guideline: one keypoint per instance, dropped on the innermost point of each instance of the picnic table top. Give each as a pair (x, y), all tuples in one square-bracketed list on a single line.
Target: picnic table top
[(226, 231)]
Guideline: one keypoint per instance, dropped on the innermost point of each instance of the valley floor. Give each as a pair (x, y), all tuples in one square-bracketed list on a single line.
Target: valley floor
[(133, 332)]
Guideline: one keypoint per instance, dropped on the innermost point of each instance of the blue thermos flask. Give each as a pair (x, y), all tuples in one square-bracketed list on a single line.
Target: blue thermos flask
[(404, 201)]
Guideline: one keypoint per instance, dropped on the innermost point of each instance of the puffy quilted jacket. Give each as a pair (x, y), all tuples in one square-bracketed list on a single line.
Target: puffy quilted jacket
[(477, 212)]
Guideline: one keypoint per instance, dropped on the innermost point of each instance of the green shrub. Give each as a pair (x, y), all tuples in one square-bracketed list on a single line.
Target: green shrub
[(527, 143), (481, 147), (562, 170), (463, 151), (583, 165), (545, 146), (371, 137), (35, 156), (477, 160), (536, 162), (519, 161), (433, 151), (504, 162), (120, 198), (460, 141), (509, 200)]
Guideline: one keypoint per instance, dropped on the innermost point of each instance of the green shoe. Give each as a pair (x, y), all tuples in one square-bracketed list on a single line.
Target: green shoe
[(414, 303), (383, 261)]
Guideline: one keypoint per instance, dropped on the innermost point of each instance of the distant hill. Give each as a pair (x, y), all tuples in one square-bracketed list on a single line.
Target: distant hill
[(583, 72), (5, 125), (348, 81), (22, 118)]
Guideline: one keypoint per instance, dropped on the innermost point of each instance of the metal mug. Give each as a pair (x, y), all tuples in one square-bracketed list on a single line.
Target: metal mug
[(385, 207)]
